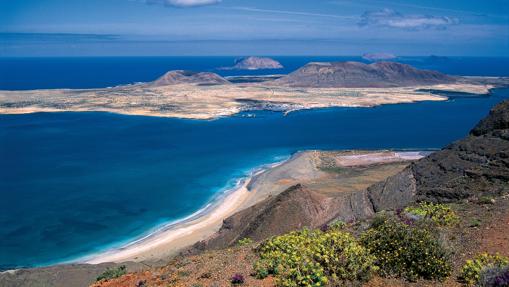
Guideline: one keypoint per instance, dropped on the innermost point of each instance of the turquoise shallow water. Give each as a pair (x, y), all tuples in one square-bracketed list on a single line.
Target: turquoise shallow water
[(72, 184)]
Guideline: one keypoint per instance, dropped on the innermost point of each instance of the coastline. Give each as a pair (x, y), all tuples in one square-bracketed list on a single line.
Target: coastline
[(188, 101), (169, 239), (261, 183)]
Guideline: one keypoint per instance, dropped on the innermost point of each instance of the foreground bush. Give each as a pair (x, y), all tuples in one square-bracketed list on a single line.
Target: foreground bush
[(112, 273), (440, 214), (486, 270), (408, 251), (313, 258)]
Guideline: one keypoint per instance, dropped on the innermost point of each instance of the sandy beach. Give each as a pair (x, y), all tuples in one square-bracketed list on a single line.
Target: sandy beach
[(170, 239), (262, 183)]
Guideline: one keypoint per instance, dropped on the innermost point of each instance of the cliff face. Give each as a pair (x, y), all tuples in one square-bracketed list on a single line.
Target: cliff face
[(187, 77), (295, 208), (360, 75), (474, 166)]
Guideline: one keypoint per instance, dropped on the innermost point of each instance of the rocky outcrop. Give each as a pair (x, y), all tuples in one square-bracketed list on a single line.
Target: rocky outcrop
[(474, 166), (295, 208), (188, 77), (396, 191), (360, 75), (255, 63), (497, 123)]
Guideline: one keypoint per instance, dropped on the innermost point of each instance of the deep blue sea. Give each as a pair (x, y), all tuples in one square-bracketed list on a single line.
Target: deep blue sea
[(72, 184)]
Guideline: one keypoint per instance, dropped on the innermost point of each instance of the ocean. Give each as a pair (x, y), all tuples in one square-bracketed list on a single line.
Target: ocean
[(73, 184)]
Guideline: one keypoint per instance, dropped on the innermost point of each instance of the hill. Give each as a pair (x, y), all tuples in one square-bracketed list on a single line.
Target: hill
[(360, 75), (188, 77)]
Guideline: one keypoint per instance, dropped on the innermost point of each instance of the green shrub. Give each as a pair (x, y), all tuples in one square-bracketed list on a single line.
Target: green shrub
[(379, 219), (486, 200), (337, 225), (313, 257), (473, 269), (262, 269), (475, 223), (440, 214), (405, 250), (111, 273), (244, 241)]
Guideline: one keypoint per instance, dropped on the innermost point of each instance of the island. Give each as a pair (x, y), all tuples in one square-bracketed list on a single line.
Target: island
[(255, 63), (205, 95), (378, 56)]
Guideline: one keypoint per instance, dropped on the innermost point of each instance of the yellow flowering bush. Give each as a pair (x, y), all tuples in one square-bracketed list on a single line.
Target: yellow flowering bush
[(473, 269), (313, 258), (409, 251), (440, 214)]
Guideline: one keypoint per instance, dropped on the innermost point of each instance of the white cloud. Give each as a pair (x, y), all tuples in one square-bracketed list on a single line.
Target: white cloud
[(393, 19), (183, 3)]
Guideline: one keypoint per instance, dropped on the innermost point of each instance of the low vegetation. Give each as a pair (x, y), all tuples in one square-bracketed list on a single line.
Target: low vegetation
[(410, 251), (111, 273), (337, 225), (244, 241), (486, 200), (440, 214), (314, 258), (406, 245), (486, 270)]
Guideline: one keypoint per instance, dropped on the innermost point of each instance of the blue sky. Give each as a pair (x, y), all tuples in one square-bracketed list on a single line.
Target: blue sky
[(249, 27)]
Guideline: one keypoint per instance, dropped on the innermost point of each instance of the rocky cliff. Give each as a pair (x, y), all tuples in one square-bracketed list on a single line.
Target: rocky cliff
[(475, 166), (293, 209), (472, 167), (360, 75)]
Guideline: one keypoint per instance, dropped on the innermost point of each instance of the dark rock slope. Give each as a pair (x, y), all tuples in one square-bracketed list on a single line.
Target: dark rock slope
[(188, 77), (360, 75), (472, 167), (294, 208), (475, 166)]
